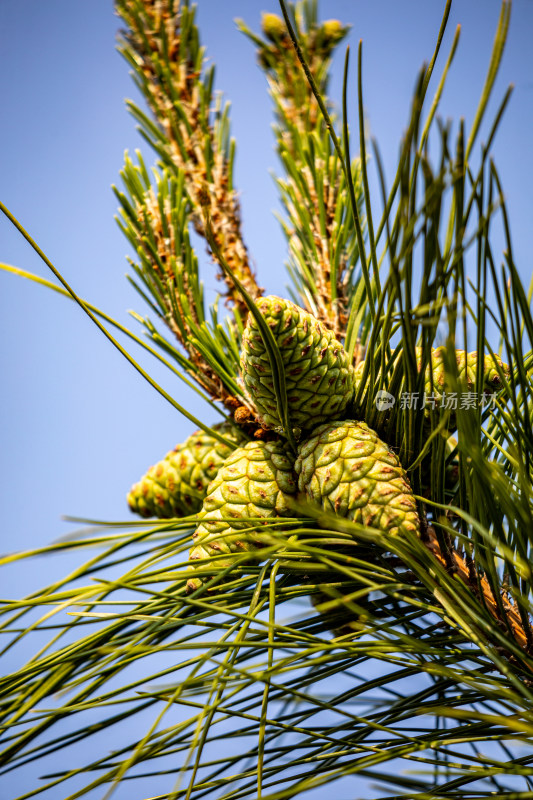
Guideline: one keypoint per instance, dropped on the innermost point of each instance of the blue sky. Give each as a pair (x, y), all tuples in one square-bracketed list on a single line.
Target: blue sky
[(78, 424)]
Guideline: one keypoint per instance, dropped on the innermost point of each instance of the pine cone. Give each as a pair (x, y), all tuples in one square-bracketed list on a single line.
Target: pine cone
[(176, 486), (318, 373), (346, 469), (256, 482)]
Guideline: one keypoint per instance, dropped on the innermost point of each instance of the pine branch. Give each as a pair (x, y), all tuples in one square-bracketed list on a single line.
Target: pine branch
[(190, 132), (319, 226), (154, 219), (499, 607), (444, 634)]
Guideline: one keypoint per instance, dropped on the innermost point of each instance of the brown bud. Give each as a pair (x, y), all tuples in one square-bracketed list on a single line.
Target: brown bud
[(231, 402), (242, 415), (203, 195)]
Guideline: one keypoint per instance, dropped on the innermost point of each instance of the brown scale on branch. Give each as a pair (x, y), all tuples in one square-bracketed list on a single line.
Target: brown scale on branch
[(169, 68), (464, 569), (462, 566)]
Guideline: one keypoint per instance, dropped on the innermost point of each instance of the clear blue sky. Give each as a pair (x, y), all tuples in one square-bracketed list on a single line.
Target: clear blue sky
[(78, 424)]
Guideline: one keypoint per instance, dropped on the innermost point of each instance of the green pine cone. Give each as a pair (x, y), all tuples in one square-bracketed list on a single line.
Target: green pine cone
[(346, 469), (256, 482), (177, 485), (436, 387), (318, 372), (467, 367)]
